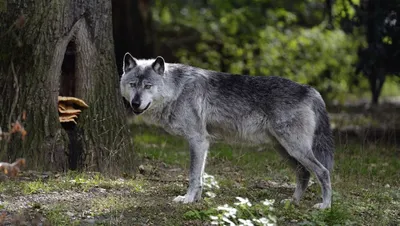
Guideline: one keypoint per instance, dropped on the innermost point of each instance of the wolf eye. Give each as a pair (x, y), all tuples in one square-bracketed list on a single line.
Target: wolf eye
[(147, 86), (132, 84)]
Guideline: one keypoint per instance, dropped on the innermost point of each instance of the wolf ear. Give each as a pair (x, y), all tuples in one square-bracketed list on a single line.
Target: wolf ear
[(129, 62), (159, 65)]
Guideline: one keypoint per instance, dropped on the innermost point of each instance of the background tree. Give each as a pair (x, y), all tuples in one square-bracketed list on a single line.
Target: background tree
[(52, 48), (133, 30), (381, 56)]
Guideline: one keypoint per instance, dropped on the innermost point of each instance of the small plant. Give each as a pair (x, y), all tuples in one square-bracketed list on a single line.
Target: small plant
[(56, 216), (337, 215), (34, 187), (244, 213), (210, 184)]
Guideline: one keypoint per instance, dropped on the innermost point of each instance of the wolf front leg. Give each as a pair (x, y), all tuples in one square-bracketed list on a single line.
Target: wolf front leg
[(198, 154)]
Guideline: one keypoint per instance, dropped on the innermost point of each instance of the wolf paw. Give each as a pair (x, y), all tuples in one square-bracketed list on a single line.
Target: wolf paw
[(184, 199), (322, 206), (180, 198)]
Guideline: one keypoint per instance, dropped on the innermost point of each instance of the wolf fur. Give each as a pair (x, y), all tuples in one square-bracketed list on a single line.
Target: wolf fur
[(203, 105)]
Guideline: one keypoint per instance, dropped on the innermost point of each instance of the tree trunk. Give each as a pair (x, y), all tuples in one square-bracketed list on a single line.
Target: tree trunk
[(132, 26), (329, 12), (376, 81), (53, 48)]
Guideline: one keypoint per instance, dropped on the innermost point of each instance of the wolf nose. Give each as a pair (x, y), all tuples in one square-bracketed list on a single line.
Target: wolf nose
[(135, 103)]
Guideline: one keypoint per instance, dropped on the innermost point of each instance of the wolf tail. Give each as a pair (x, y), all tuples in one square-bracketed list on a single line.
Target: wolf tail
[(323, 145)]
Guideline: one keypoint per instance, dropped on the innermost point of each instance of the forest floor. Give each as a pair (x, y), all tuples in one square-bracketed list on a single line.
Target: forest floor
[(366, 184)]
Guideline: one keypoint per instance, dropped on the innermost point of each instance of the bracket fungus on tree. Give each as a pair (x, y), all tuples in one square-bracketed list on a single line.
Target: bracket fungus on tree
[(69, 108)]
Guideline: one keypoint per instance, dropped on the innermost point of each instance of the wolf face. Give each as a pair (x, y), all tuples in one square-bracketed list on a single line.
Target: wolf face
[(140, 81)]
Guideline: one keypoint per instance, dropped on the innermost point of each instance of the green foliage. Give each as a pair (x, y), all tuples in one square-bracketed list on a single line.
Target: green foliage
[(337, 215), (34, 187), (199, 214), (259, 38), (56, 216)]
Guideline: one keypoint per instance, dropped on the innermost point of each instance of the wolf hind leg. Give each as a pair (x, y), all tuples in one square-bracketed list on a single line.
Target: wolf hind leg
[(298, 146), (302, 175), (306, 157), (302, 179)]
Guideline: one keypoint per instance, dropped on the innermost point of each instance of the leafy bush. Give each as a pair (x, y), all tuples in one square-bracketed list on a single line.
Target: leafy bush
[(260, 38)]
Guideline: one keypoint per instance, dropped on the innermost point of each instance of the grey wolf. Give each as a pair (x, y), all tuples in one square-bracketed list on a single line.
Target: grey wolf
[(203, 105)]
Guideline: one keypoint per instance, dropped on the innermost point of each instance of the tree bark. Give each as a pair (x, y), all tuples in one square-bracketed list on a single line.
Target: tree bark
[(53, 48)]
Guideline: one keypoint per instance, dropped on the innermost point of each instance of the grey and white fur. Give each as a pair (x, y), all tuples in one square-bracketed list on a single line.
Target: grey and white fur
[(203, 105)]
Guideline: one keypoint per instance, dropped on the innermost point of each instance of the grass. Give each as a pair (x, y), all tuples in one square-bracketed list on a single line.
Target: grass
[(365, 179), (70, 181), (365, 182), (56, 216)]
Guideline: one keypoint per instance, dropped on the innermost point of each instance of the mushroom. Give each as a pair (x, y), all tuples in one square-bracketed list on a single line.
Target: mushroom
[(69, 108), (73, 100), (68, 118), (63, 119)]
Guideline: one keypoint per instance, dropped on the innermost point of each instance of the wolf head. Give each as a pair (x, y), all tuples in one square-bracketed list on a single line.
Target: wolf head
[(140, 81)]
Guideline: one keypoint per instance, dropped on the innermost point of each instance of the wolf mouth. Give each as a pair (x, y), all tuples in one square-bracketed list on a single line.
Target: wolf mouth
[(138, 112)]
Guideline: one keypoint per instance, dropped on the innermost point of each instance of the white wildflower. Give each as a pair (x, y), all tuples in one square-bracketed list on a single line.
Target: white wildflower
[(266, 222), (245, 222), (268, 202), (228, 211), (229, 214), (243, 202), (215, 220), (225, 207), (211, 194), (228, 221), (208, 176), (209, 181), (272, 218), (214, 217)]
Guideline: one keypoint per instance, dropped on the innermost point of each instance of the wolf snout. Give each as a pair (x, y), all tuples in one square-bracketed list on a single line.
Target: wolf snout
[(135, 103), (136, 106)]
